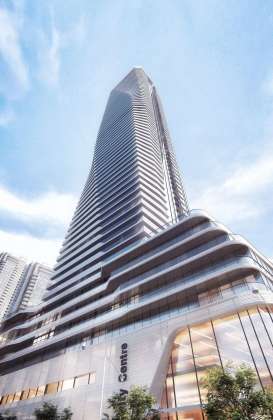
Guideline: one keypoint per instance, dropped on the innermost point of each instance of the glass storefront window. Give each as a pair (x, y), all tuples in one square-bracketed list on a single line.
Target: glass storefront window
[(263, 338), (190, 415), (255, 348), (186, 390), (204, 350), (243, 338), (170, 393), (182, 359), (232, 345), (163, 402), (204, 346), (266, 317)]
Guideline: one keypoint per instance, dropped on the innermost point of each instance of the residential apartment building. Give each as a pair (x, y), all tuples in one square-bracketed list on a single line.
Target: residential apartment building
[(145, 291), (21, 284), (35, 281), (11, 274)]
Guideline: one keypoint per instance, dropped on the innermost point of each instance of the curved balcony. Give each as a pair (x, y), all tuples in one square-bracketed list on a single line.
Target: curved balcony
[(208, 276), (189, 238), (190, 315)]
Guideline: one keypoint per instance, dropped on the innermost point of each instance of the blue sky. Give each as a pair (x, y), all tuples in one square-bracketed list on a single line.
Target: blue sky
[(212, 62)]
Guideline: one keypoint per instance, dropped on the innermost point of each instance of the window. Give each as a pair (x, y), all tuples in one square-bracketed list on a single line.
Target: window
[(68, 384), (51, 388), (40, 390), (10, 398), (17, 396), (4, 399), (85, 379), (24, 395), (81, 380), (32, 393), (92, 377)]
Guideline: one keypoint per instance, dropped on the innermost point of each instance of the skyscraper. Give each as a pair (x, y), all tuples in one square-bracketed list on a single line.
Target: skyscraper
[(11, 273), (144, 292), (21, 284), (36, 279), (133, 189)]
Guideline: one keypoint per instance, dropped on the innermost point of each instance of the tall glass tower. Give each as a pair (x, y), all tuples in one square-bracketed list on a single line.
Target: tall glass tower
[(133, 189), (145, 291)]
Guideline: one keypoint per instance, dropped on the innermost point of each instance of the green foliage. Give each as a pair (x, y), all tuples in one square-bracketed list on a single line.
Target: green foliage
[(119, 404), (66, 414), (47, 412), (233, 395), (136, 405), (50, 412)]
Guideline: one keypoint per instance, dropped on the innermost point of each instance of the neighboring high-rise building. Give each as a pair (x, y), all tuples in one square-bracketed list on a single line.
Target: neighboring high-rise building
[(35, 281), (21, 284), (11, 274), (144, 292)]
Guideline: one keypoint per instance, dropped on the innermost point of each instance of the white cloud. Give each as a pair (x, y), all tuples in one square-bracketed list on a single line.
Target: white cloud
[(50, 58), (243, 194), (50, 207), (11, 54), (253, 177), (33, 249), (246, 191), (50, 47)]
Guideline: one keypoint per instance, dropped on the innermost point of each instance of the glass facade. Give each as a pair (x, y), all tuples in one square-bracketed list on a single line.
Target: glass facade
[(240, 338)]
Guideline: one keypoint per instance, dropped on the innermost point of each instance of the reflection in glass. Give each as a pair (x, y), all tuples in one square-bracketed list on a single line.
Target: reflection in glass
[(186, 390), (263, 338), (170, 393), (267, 320), (253, 343), (231, 341), (205, 352)]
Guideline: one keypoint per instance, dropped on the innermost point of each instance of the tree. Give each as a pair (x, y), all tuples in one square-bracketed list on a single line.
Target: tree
[(66, 414), (136, 405), (50, 412), (47, 412), (234, 395)]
